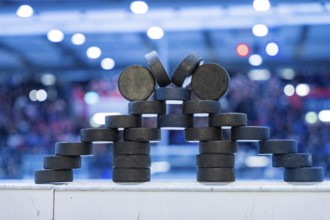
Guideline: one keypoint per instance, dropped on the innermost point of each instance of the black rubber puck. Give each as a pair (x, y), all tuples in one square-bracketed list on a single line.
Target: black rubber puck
[(217, 147), (175, 121), (136, 83), (62, 163), (121, 175), (294, 160), (53, 176), (157, 69), (73, 149), (131, 161), (186, 68), (210, 81), (250, 133), (202, 134), (123, 121), (142, 134), (215, 161), (215, 174), (131, 148), (304, 174), (90, 135), (172, 93), (146, 107), (277, 146), (231, 119), (201, 106)]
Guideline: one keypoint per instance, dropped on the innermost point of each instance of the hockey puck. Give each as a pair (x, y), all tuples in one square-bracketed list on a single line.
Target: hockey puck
[(130, 175), (172, 93), (136, 83), (249, 133), (215, 161), (175, 121), (294, 160), (231, 119), (210, 81), (131, 161), (146, 107), (123, 121), (186, 68), (157, 69), (131, 148), (62, 163), (215, 174), (202, 134), (217, 147), (142, 134), (53, 176), (277, 146), (304, 174), (201, 106), (90, 135), (73, 149)]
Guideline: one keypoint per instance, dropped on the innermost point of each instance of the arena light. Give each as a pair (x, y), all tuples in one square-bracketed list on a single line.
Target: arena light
[(155, 33), (107, 64), (259, 74), (311, 117), (255, 60), (55, 35), (41, 95), (24, 11), (33, 95), (98, 119), (272, 49), (302, 89), (261, 5), (91, 98), (78, 39), (260, 30), (48, 79), (287, 73), (139, 7), (93, 52), (257, 161), (288, 90), (242, 50), (324, 115)]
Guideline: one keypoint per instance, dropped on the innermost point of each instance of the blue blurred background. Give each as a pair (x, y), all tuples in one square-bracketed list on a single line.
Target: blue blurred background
[(60, 62)]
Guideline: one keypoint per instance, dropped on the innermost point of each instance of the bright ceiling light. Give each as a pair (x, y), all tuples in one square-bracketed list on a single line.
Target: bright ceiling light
[(33, 95), (302, 89), (107, 64), (261, 5), (78, 39), (91, 98), (24, 11), (48, 79), (55, 35), (260, 30), (242, 50), (259, 74), (41, 95), (98, 119), (324, 115), (139, 7), (94, 52), (155, 33), (255, 60), (288, 90), (311, 117), (272, 49)]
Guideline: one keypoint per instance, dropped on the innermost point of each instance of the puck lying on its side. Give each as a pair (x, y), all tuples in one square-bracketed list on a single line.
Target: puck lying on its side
[(294, 160), (202, 134), (136, 83), (73, 149), (172, 93), (131, 148), (130, 175), (123, 121), (201, 106), (157, 69), (90, 135), (217, 147), (231, 119), (210, 81), (250, 133), (131, 161), (53, 176), (142, 134), (186, 68), (62, 163), (146, 107), (215, 160), (175, 121), (304, 174), (215, 174), (277, 146)]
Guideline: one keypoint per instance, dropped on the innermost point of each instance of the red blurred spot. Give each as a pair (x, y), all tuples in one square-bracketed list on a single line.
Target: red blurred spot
[(242, 50)]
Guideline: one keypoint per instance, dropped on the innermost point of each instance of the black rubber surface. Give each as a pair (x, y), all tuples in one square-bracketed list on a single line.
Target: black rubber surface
[(172, 93), (73, 149), (277, 146), (217, 147), (215, 160), (53, 176), (175, 121), (294, 160), (90, 135), (146, 107), (142, 134), (136, 83), (231, 119), (215, 174), (305, 174), (131, 161), (157, 69), (62, 163), (131, 148), (202, 134), (250, 133), (201, 106), (210, 81), (186, 68), (123, 121), (121, 175)]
